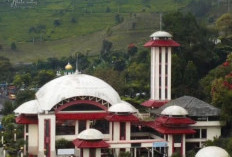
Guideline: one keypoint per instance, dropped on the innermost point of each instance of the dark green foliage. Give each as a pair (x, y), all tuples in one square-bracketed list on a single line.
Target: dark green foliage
[(118, 18), (73, 20), (108, 10), (6, 70), (63, 143), (13, 46), (106, 48), (57, 22), (125, 154), (23, 96), (8, 108), (44, 76)]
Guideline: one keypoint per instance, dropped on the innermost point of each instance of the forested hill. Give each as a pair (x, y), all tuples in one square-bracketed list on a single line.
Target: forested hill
[(38, 29)]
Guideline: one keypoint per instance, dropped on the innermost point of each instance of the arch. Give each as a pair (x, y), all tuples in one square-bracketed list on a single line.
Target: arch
[(77, 102)]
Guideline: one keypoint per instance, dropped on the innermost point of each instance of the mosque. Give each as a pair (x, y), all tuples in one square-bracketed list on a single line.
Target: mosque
[(88, 112)]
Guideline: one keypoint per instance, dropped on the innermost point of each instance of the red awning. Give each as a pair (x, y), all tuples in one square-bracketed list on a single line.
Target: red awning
[(174, 120), (90, 144), (154, 103), (169, 130), (22, 119), (122, 118), (162, 43), (81, 116)]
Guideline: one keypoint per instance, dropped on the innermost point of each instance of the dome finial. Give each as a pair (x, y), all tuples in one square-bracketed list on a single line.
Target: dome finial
[(68, 66)]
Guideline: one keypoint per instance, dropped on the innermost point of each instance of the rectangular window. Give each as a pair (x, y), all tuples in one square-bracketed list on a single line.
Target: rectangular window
[(166, 55), (65, 127), (122, 131), (177, 138), (92, 152), (47, 137), (203, 133), (27, 128), (81, 125)]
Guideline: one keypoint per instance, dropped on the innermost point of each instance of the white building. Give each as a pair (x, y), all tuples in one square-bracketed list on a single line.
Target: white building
[(90, 113)]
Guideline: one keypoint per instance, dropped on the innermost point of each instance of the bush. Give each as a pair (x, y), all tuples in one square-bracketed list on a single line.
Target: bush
[(13, 46), (57, 23)]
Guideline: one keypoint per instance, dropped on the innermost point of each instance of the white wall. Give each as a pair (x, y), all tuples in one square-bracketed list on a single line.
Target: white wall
[(33, 139)]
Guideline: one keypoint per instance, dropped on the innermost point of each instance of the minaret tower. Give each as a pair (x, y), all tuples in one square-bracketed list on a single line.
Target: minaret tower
[(161, 44)]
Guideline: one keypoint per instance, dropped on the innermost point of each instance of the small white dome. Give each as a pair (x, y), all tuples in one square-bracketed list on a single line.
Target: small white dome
[(160, 34), (29, 107), (90, 134), (174, 111), (123, 106), (74, 85), (212, 151)]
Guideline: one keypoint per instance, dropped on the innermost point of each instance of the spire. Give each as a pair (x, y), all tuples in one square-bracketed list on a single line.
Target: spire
[(77, 71), (160, 21)]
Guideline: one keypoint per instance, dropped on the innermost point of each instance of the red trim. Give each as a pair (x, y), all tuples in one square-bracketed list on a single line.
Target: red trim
[(90, 144), (122, 118), (154, 103), (22, 119), (112, 131), (162, 43), (77, 102), (47, 139), (174, 120), (81, 116)]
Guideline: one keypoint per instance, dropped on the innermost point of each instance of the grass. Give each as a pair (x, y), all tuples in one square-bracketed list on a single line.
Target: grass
[(86, 34)]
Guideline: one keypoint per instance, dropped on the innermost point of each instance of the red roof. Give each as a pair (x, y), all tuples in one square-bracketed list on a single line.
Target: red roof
[(169, 130), (122, 118), (154, 103), (90, 144), (22, 119), (174, 120), (81, 116), (163, 43)]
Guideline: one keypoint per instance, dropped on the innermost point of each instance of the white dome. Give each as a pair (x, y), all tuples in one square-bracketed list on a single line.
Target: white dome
[(212, 151), (123, 106), (160, 34), (90, 134), (174, 111), (29, 107), (75, 85)]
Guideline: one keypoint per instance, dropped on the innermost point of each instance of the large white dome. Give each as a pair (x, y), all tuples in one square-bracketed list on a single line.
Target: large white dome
[(174, 111), (212, 151), (75, 85), (90, 134)]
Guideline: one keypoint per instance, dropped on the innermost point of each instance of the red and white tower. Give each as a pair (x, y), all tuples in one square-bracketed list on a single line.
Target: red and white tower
[(161, 44)]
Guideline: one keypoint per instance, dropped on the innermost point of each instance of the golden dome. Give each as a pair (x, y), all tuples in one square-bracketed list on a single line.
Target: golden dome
[(68, 67)]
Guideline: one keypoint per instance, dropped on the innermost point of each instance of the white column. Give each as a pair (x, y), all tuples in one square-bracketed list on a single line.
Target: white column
[(98, 152), (169, 72), (163, 73), (170, 142), (116, 131), (183, 146), (41, 119), (153, 73), (86, 152), (76, 127), (128, 131), (157, 73), (135, 152), (110, 131)]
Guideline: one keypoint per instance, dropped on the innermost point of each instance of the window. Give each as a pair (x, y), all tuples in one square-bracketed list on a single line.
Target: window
[(101, 125), (122, 131), (177, 138), (203, 133), (27, 128), (82, 125), (65, 127), (92, 152)]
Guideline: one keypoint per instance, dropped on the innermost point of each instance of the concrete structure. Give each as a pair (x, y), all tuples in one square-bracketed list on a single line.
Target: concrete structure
[(160, 87), (90, 113)]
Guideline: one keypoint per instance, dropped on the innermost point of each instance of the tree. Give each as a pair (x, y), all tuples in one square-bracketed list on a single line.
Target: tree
[(106, 48), (190, 75), (44, 76), (22, 80), (23, 96), (224, 24), (13, 46), (8, 108)]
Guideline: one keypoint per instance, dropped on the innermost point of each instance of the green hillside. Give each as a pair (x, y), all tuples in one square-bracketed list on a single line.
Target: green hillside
[(59, 28)]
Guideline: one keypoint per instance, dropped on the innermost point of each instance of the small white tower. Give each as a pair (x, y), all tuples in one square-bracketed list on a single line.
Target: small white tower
[(160, 87)]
